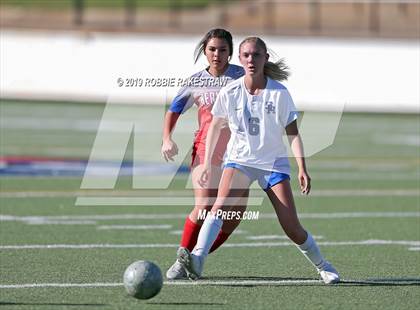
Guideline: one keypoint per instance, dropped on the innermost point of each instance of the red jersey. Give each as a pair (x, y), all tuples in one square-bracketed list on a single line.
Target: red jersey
[(201, 89)]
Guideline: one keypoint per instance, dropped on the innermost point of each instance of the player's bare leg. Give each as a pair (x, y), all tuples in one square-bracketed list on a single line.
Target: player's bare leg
[(282, 199), (233, 190), (205, 197)]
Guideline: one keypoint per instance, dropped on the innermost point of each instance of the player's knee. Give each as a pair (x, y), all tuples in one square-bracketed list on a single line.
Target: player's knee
[(204, 202), (217, 208)]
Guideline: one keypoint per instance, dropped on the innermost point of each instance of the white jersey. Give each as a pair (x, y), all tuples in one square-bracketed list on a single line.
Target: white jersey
[(257, 124)]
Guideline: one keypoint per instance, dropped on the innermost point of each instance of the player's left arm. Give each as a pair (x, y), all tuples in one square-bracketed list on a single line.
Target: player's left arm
[(297, 149)]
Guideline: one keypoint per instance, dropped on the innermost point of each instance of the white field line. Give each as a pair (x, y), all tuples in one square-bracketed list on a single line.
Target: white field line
[(59, 285), (176, 232), (346, 215), (182, 283), (98, 194), (397, 139), (141, 227), (414, 248), (362, 192), (413, 243), (237, 232), (204, 282), (365, 175), (152, 201), (240, 232), (174, 216), (274, 237), (103, 193), (58, 222)]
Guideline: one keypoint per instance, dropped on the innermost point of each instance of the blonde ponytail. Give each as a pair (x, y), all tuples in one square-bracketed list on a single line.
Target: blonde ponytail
[(276, 70)]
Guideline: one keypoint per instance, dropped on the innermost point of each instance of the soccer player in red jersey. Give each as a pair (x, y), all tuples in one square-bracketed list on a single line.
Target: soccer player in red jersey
[(201, 90)]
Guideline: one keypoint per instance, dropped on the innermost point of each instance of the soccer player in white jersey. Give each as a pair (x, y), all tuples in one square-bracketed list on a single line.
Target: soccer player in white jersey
[(201, 90), (258, 110)]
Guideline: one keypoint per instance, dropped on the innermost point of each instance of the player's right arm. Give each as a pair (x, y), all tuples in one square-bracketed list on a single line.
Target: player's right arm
[(181, 103), (169, 147)]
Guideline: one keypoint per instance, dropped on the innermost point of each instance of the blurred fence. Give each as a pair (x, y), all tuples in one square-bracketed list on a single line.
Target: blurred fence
[(362, 18)]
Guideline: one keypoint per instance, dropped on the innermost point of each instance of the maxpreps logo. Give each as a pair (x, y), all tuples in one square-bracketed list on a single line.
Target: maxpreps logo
[(231, 215)]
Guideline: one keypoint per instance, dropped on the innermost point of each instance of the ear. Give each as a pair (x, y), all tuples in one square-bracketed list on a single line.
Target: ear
[(267, 56)]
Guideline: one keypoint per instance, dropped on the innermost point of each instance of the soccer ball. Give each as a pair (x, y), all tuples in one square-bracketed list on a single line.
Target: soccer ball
[(143, 279)]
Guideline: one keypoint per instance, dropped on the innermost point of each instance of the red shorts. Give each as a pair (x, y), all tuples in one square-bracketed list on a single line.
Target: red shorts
[(199, 148)]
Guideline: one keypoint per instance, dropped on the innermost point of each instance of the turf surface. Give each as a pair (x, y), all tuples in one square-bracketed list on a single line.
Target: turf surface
[(364, 212)]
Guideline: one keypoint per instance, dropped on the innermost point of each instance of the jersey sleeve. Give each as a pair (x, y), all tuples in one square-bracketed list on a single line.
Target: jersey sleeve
[(220, 105), (289, 111), (182, 101)]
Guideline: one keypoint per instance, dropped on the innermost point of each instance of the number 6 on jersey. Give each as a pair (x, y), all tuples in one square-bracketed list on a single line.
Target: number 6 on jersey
[(254, 126)]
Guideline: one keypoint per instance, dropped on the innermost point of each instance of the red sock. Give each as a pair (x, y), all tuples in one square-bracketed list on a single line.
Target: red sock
[(220, 239), (190, 234)]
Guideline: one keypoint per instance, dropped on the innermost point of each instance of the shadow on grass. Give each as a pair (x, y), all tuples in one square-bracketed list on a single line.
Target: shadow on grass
[(187, 303), (383, 282), (6, 303), (253, 281), (255, 278)]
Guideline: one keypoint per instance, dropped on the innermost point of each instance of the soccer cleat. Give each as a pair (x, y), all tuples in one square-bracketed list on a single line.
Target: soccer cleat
[(176, 272), (193, 264), (329, 274)]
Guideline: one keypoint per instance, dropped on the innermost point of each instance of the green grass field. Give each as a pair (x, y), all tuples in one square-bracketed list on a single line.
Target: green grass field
[(364, 212)]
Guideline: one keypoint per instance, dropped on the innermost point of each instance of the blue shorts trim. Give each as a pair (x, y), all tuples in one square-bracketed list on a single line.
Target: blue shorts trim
[(266, 179)]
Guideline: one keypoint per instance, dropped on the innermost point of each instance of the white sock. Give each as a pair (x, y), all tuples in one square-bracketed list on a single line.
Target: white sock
[(311, 251), (208, 234)]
